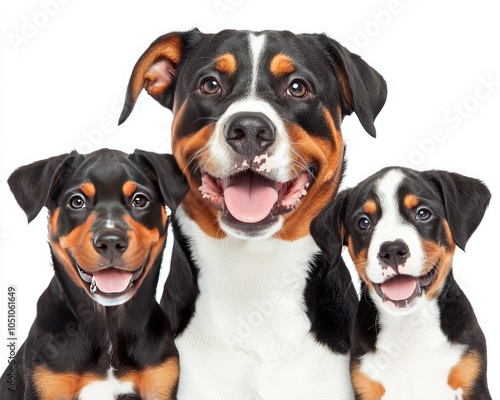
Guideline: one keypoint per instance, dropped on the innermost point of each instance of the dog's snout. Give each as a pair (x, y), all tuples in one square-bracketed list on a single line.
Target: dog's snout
[(111, 244), (249, 133), (394, 253)]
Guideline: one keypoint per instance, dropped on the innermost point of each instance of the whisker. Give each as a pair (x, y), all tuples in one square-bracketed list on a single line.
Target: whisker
[(197, 154), (215, 119)]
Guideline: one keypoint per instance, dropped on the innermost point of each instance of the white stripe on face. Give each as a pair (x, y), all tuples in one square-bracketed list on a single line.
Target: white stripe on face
[(390, 227), (257, 44), (277, 160)]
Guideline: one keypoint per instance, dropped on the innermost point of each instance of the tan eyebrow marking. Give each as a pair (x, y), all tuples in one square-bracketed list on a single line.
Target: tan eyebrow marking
[(226, 63), (88, 189), (410, 201), (281, 65), (370, 207), (129, 188)]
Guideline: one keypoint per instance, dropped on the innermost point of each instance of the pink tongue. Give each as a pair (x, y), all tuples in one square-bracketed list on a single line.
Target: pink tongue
[(250, 198), (112, 280), (399, 288)]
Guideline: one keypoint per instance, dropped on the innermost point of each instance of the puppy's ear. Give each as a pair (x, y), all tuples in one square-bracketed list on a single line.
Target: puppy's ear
[(172, 183), (465, 200), (33, 183), (363, 89), (327, 229), (156, 69)]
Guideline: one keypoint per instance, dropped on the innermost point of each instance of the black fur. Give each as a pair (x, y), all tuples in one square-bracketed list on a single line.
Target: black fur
[(339, 80), (72, 333), (457, 199), (326, 59), (181, 287)]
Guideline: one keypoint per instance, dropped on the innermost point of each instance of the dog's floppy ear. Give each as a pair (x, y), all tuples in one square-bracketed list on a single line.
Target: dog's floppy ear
[(32, 184), (465, 200), (156, 69), (172, 183), (327, 229), (364, 90)]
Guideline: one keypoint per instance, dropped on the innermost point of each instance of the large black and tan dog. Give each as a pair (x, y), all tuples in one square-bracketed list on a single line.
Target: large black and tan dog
[(258, 312), (99, 333), (416, 335)]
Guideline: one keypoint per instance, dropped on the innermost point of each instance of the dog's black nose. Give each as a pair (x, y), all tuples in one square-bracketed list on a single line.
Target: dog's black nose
[(394, 253), (111, 243), (249, 133)]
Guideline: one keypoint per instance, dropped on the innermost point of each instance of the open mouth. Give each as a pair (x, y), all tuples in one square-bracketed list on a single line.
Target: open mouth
[(110, 281), (401, 289), (251, 198)]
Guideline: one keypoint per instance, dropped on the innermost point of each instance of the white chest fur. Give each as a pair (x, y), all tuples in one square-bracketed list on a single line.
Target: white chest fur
[(413, 356), (249, 338), (106, 389)]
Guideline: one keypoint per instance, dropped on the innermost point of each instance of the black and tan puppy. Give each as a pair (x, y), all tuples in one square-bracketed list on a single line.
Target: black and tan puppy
[(99, 333), (257, 131), (415, 336)]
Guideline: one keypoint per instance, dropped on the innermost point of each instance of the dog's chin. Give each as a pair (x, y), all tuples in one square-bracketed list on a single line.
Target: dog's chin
[(111, 286), (251, 204), (402, 294), (260, 230)]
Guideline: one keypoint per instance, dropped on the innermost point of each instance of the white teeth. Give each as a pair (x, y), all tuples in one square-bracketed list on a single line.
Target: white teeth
[(86, 277), (136, 275), (93, 286)]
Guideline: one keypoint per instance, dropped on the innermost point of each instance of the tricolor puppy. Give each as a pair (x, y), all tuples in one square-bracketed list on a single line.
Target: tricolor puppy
[(415, 335), (99, 332), (256, 130)]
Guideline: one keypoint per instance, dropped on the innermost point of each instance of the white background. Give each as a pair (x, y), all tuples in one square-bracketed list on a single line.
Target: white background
[(65, 67)]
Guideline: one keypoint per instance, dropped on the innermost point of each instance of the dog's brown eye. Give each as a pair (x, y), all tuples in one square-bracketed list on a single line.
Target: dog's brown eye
[(423, 214), (210, 86), (140, 201), (77, 202), (363, 223), (297, 88)]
